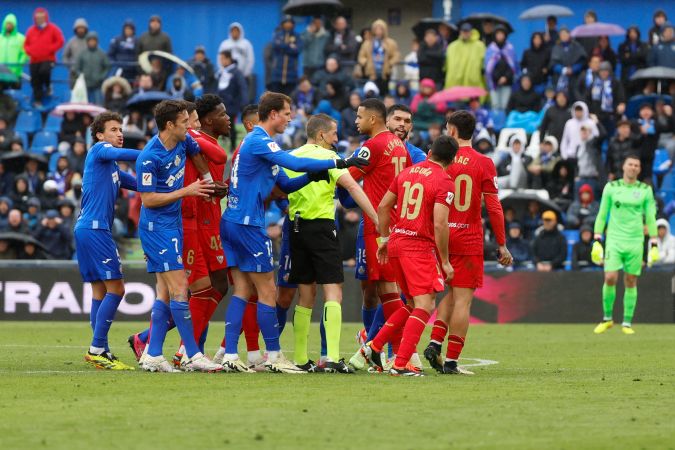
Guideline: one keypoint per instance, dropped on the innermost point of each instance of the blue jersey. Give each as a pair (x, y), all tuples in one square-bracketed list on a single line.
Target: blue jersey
[(255, 171), (101, 183), (161, 170), (417, 155)]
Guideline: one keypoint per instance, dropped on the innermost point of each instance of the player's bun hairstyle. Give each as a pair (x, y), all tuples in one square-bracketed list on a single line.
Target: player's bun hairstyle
[(167, 111), (375, 106), (249, 110), (272, 101), (208, 103), (444, 149), (319, 123), (189, 107), (98, 125), (398, 107), (465, 123)]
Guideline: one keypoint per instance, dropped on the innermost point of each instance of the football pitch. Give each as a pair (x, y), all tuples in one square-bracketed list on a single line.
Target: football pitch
[(536, 386)]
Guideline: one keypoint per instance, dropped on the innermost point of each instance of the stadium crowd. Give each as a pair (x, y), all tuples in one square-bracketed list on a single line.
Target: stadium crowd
[(557, 118)]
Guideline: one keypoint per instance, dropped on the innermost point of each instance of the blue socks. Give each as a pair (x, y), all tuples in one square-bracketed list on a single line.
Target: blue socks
[(143, 335), (202, 339), (104, 318), (233, 317), (95, 305), (378, 322), (282, 315), (322, 332), (181, 316), (368, 314), (161, 315), (269, 327)]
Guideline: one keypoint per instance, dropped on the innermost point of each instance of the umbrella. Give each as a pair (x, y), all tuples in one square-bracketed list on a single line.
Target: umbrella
[(655, 73), (312, 7), (477, 19), (634, 103), (81, 108), (456, 93), (431, 22), (132, 138), (518, 200), (15, 161), (145, 101), (108, 83), (6, 75), (543, 11), (598, 29), (20, 238), (144, 60)]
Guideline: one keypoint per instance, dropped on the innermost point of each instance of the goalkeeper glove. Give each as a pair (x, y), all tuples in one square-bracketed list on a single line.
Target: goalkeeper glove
[(597, 253), (351, 162), (653, 255)]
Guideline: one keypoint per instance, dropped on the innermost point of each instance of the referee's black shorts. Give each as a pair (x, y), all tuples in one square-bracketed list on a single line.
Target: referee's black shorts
[(316, 255)]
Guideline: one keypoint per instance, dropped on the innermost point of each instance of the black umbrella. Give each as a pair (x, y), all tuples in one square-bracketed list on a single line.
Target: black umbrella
[(20, 238), (519, 201), (15, 161), (655, 73), (433, 23), (145, 101), (476, 20), (312, 7), (132, 138)]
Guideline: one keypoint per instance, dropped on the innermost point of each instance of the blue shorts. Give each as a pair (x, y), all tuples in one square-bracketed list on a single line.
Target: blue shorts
[(285, 257), (246, 247), (163, 249), (97, 255), (361, 269)]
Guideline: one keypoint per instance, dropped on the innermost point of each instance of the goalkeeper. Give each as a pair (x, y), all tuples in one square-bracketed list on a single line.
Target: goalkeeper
[(626, 205)]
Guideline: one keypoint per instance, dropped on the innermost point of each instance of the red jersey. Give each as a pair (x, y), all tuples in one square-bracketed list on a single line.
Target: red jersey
[(388, 157), (418, 189), (474, 175)]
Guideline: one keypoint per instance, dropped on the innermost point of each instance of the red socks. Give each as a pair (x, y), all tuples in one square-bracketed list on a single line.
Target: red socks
[(392, 329), (414, 327), (390, 304), (202, 305), (439, 331), (249, 324), (455, 346)]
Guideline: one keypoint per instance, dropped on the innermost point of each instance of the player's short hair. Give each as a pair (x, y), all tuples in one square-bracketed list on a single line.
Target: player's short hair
[(398, 107), (631, 156), (167, 111), (319, 123), (465, 123), (98, 125), (189, 107), (248, 111), (272, 101), (375, 106), (444, 149), (208, 103)]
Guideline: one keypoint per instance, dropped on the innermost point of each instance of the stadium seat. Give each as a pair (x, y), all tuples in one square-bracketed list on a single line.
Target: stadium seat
[(28, 122), (662, 162), (505, 136), (44, 142), (24, 138), (53, 123), (498, 118), (671, 221), (572, 237), (53, 159), (533, 147)]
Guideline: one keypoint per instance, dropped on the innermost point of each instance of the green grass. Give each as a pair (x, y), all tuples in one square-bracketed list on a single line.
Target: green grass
[(555, 386)]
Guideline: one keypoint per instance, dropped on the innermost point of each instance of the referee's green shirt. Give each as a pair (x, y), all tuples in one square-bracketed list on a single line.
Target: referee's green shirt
[(314, 201)]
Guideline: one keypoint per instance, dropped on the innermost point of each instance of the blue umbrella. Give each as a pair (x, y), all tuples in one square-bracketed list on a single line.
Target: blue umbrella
[(543, 11), (146, 100)]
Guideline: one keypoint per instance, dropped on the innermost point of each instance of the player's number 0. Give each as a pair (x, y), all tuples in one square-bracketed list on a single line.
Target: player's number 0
[(463, 191)]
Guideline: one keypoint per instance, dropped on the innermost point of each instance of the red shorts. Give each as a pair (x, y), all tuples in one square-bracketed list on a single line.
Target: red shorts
[(376, 271), (417, 274), (202, 253), (468, 271), (212, 248)]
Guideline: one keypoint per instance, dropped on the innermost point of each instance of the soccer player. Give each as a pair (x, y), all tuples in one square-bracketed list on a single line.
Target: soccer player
[(248, 250), (475, 180), (97, 256), (629, 203), (422, 195), (316, 256), (160, 174)]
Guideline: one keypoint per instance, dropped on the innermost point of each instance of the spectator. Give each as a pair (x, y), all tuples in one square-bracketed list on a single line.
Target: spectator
[(663, 53), (144, 84), (154, 38), (512, 168), (32, 216), (650, 130), (378, 55), (49, 196), (72, 127), (604, 50), (633, 56), (286, 48), (501, 69), (483, 119), (620, 146), (581, 250), (567, 60), (232, 90), (158, 73), (77, 155), (584, 209), (524, 99), (55, 238), (349, 227), (541, 168), (445, 32), (606, 99), (464, 59), (7, 251), (589, 43), (75, 45), (34, 176), (551, 33), (62, 175), (509, 217), (116, 93), (337, 97), (665, 121), (43, 40), (518, 246), (178, 86), (30, 251), (5, 206), (402, 93), (487, 32), (12, 53), (240, 48), (75, 193), (589, 159), (204, 70), (571, 138), (425, 112), (549, 247), (431, 57), (348, 116), (342, 43), (535, 61), (665, 242), (94, 64), (314, 40), (6, 136), (123, 51), (659, 19), (67, 213), (15, 223), (588, 78), (561, 186), (556, 117), (21, 193), (331, 71), (304, 97), (411, 69)]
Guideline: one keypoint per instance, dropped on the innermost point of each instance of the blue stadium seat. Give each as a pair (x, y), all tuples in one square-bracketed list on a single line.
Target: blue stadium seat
[(499, 119), (28, 122), (24, 138), (53, 159), (53, 123), (671, 221), (44, 142), (572, 237), (662, 162)]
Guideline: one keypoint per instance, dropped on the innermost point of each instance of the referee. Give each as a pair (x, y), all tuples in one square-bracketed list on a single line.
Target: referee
[(316, 256)]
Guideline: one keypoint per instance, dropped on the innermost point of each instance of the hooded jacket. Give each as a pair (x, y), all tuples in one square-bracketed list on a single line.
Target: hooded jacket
[(569, 54), (663, 53), (42, 44), (12, 53), (93, 63), (75, 44), (524, 100), (582, 213), (536, 60), (313, 45), (286, 48), (464, 62), (550, 246), (431, 61), (124, 49), (391, 54), (241, 49), (632, 55), (571, 138), (666, 245), (581, 251), (554, 121), (154, 41)]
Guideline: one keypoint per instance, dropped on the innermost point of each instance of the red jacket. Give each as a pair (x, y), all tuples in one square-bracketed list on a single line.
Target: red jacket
[(41, 44)]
